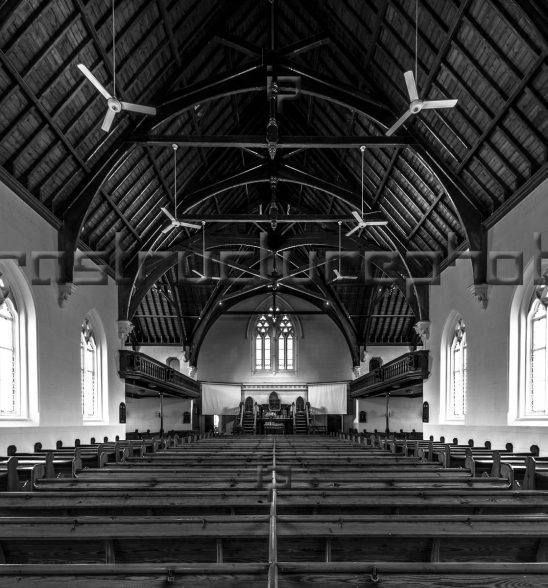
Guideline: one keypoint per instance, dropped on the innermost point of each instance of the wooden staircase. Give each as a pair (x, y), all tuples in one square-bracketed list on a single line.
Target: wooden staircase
[(248, 424), (301, 426)]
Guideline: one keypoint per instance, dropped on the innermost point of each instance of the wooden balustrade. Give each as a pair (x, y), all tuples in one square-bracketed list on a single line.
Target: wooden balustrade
[(406, 370), (151, 374)]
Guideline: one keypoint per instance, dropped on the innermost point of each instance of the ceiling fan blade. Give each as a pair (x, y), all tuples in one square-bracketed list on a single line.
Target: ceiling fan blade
[(429, 104), (138, 108), (411, 86), (107, 122), (398, 123), (189, 225), (373, 217), (167, 229), (357, 216), (199, 274), (94, 80), (168, 214), (349, 277), (353, 230), (376, 223)]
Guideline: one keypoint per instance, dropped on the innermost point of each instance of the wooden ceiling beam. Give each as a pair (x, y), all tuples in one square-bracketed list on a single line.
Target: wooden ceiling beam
[(25, 88), (442, 52), (10, 7), (280, 219), (517, 91), (239, 45), (386, 176), (119, 214), (308, 44), (184, 340), (538, 17), (284, 142), (331, 89), (166, 21)]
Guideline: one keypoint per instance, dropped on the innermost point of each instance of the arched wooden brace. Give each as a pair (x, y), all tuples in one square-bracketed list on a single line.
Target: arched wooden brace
[(234, 82), (251, 78), (469, 214), (133, 290), (214, 311), (264, 173)]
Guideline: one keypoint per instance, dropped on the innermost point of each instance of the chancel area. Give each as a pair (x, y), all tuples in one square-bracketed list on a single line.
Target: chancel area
[(273, 293)]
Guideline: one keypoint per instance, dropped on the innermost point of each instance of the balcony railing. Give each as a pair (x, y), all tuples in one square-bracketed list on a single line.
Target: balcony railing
[(150, 374), (407, 370)]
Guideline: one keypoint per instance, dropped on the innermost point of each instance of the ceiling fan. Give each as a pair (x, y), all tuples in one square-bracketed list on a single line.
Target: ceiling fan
[(174, 222), (114, 104), (337, 272), (415, 103), (365, 220), (202, 274)]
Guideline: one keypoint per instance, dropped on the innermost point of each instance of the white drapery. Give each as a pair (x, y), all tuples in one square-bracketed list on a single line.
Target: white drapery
[(221, 398), (328, 398)]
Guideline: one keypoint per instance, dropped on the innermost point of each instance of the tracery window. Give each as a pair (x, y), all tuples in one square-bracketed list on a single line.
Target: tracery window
[(274, 342), (285, 344), (458, 372), (262, 344), (89, 372)]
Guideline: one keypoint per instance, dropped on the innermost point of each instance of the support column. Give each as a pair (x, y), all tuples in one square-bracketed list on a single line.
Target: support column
[(161, 414), (387, 431)]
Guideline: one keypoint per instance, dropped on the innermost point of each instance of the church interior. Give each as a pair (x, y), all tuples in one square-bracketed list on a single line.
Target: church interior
[(273, 293)]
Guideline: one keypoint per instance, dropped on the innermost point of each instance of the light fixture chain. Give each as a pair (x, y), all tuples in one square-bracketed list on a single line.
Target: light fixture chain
[(340, 226), (113, 51), (416, 42), (203, 249), (175, 178), (363, 157)]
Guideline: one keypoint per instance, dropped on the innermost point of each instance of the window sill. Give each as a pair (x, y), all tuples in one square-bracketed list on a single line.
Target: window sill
[(447, 421), (529, 421), (18, 422), (94, 422)]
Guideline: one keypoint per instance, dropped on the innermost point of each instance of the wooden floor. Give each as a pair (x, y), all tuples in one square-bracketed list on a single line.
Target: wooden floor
[(273, 511)]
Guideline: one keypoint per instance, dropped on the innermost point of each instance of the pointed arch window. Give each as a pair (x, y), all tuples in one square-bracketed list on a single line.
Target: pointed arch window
[(286, 347), (537, 359), (458, 372), (10, 400), (263, 360), (89, 372), (275, 343)]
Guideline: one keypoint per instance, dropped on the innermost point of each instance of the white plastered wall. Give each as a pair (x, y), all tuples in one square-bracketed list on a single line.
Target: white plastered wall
[(58, 340), (488, 336)]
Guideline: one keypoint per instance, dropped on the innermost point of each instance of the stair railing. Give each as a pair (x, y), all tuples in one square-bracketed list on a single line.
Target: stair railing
[(242, 408), (307, 409), (255, 411), (294, 411)]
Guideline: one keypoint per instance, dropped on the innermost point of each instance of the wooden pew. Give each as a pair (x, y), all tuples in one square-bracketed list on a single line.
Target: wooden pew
[(21, 474), (291, 574), (536, 473), (199, 503)]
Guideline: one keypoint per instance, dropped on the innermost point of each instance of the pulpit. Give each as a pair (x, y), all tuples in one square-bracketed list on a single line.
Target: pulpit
[(275, 417), (274, 403)]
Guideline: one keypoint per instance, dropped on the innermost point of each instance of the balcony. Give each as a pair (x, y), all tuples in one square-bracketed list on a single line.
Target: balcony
[(401, 376), (146, 376)]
